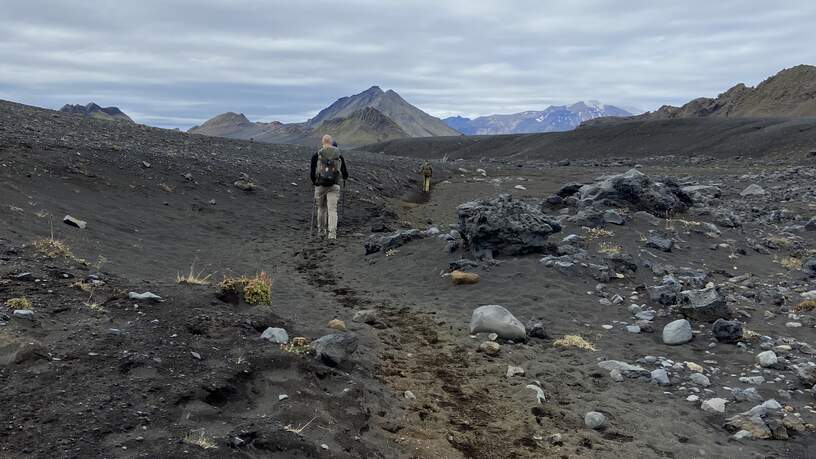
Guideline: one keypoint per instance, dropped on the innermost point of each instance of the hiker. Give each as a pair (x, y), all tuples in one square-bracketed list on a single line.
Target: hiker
[(426, 171), (326, 169)]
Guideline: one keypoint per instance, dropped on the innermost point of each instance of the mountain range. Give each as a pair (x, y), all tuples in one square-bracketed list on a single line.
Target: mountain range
[(789, 93), (95, 111), (554, 118), (371, 116)]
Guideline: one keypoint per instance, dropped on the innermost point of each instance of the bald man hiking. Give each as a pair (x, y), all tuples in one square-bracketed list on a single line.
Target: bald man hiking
[(327, 167)]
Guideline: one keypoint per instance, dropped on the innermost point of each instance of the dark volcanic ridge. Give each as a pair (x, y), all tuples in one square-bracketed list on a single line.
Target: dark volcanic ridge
[(95, 111), (790, 93), (705, 138)]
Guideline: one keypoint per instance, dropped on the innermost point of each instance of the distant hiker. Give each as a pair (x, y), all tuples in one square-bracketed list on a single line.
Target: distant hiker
[(327, 167), (426, 171)]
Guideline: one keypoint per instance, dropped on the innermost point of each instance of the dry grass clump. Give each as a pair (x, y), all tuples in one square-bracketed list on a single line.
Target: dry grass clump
[(750, 335), (805, 306), (791, 263), (53, 248), (255, 290), (193, 278), (298, 345), (200, 439), (597, 233), (82, 285), (19, 303), (574, 341), (780, 241), (609, 249)]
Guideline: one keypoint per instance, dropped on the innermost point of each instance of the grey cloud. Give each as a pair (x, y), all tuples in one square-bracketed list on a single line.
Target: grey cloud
[(177, 63)]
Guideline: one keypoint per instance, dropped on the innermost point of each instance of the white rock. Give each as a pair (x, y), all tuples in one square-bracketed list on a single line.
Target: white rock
[(767, 359), (497, 319), (700, 379), (513, 371), (752, 190), (146, 296), (714, 405), (539, 393)]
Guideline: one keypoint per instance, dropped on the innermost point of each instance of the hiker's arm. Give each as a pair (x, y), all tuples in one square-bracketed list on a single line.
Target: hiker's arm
[(312, 169), (343, 169)]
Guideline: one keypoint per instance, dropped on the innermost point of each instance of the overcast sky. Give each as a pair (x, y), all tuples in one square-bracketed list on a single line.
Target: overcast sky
[(175, 63)]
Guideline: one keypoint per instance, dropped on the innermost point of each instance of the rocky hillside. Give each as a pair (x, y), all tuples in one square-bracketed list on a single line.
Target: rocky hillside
[(364, 126), (410, 119), (552, 119), (371, 116), (95, 111), (237, 126), (789, 93)]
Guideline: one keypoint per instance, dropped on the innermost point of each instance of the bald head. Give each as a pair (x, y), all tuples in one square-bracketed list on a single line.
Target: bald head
[(327, 140)]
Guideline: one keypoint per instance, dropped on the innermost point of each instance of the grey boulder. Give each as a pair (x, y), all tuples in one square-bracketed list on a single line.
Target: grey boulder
[(635, 191), (594, 420), (677, 332), (334, 349), (75, 222), (705, 305), (727, 331), (275, 335), (505, 226)]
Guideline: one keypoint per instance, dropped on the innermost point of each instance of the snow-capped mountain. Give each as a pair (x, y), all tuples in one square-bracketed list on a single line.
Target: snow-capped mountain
[(554, 118)]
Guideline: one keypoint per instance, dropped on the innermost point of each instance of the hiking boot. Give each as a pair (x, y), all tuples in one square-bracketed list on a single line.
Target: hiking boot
[(332, 236)]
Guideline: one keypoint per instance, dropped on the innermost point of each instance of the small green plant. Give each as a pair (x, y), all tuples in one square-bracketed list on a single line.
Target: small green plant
[(255, 290), (19, 303), (259, 289)]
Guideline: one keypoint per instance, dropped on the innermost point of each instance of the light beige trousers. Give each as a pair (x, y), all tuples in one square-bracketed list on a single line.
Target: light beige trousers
[(326, 198)]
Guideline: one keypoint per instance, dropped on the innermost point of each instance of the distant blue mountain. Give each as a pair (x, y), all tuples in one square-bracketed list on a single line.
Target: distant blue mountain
[(553, 119)]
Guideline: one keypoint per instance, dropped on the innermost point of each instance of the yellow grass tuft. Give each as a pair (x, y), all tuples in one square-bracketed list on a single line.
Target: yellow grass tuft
[(574, 341), (609, 249), (597, 233), (805, 306), (193, 278), (750, 335), (780, 241), (53, 248), (791, 263), (84, 286), (19, 303), (200, 439)]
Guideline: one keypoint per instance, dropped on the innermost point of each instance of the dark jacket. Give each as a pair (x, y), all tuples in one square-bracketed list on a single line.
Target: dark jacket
[(313, 167)]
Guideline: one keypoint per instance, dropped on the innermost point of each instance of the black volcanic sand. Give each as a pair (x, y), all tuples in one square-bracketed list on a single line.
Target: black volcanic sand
[(72, 387)]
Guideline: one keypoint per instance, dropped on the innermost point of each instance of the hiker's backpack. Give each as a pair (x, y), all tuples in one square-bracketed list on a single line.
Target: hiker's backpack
[(328, 167)]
